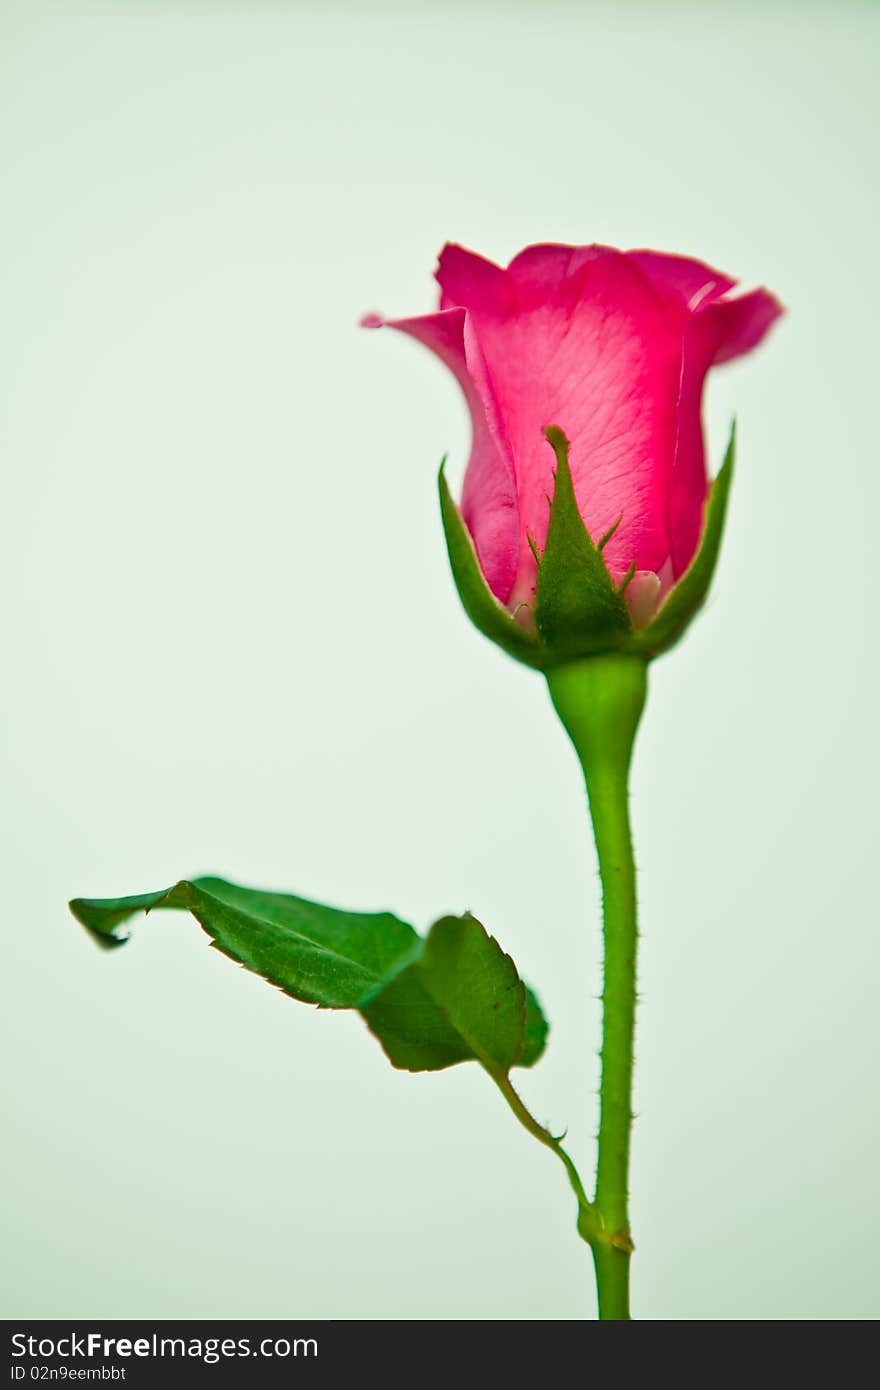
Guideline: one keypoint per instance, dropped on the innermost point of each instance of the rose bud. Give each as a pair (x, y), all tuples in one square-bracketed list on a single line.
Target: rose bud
[(587, 522)]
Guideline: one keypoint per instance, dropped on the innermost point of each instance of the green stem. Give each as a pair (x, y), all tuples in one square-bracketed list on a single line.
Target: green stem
[(587, 1221), (600, 701)]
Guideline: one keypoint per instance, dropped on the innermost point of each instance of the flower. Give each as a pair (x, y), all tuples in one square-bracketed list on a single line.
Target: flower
[(611, 348)]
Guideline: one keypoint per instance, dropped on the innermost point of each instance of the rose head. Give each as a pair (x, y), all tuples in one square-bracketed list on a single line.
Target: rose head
[(585, 497)]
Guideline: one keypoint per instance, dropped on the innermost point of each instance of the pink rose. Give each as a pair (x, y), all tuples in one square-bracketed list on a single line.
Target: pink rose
[(612, 347)]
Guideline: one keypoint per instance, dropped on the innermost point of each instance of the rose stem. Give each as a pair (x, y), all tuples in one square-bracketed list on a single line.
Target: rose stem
[(600, 700)]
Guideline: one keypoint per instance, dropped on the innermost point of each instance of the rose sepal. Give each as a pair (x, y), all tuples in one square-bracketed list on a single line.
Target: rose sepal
[(687, 596), (578, 610), (477, 599)]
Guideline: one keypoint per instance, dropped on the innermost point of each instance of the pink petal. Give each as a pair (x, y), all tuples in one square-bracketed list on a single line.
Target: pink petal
[(469, 281), (692, 282), (642, 595), (539, 269), (489, 504), (720, 330), (587, 344), (741, 324)]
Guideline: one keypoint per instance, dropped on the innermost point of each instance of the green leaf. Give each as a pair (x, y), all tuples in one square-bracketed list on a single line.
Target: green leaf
[(433, 1002), (536, 1030), (477, 987), (478, 601), (317, 954), (461, 999), (415, 1034), (578, 609), (689, 594)]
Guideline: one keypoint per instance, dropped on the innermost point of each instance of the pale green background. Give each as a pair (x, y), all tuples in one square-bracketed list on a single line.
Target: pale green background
[(233, 645)]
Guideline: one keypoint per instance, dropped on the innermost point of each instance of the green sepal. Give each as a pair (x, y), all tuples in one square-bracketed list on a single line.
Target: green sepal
[(689, 593), (578, 609), (453, 996), (478, 601)]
